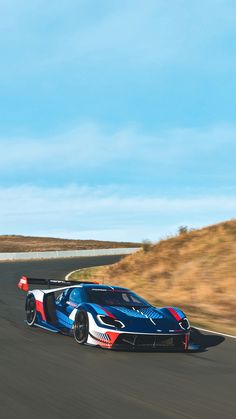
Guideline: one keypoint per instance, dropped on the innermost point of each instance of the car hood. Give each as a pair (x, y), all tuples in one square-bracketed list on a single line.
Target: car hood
[(144, 320)]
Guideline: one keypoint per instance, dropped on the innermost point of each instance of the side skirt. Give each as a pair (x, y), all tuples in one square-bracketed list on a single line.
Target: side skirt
[(47, 328)]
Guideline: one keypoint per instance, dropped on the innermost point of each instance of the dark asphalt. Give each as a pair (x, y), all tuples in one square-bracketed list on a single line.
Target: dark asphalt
[(49, 376)]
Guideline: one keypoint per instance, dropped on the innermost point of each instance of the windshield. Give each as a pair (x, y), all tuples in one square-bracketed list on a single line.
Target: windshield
[(107, 297)]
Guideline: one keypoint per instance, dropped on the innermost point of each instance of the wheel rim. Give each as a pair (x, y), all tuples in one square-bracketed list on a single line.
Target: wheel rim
[(30, 310), (81, 326)]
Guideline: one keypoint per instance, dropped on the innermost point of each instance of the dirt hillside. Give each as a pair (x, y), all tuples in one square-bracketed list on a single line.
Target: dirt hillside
[(40, 244), (195, 271)]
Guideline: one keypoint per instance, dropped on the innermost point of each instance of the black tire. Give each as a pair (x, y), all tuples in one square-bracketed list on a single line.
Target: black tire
[(30, 310), (81, 327)]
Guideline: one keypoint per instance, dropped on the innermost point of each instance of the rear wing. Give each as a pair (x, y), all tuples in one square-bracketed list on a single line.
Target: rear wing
[(24, 282)]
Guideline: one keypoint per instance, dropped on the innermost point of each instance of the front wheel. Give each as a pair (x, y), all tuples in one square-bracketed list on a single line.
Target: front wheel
[(81, 327), (30, 310)]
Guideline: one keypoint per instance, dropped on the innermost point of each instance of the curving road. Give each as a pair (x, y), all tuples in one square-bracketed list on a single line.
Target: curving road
[(49, 376)]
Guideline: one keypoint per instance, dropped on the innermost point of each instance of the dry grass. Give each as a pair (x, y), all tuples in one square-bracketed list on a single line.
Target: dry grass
[(195, 271), (40, 244)]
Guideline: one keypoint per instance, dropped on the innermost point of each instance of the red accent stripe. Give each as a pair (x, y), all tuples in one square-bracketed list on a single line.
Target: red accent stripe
[(186, 343), (40, 309), (108, 313), (113, 336), (174, 313), (107, 344)]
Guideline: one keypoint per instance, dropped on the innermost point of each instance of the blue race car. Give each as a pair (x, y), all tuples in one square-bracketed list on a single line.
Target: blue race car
[(102, 315)]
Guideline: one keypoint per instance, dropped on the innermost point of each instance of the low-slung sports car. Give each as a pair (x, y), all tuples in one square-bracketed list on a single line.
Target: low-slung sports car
[(102, 315)]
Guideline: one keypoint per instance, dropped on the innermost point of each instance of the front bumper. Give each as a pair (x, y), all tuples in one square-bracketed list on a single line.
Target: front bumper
[(159, 342), (141, 341), (134, 340)]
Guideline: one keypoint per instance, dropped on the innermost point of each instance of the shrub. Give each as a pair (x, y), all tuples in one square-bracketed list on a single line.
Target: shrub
[(146, 245), (183, 229)]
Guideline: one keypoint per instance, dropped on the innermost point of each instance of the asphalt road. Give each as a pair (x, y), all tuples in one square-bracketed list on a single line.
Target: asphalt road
[(44, 375)]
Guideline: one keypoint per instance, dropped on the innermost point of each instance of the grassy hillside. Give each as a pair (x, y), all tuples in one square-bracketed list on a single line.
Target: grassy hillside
[(195, 270), (40, 244)]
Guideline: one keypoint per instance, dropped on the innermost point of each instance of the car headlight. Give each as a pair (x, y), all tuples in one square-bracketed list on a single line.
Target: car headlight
[(184, 324), (109, 321)]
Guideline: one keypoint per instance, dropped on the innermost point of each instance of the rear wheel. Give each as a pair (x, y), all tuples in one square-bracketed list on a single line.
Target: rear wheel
[(30, 309), (81, 327)]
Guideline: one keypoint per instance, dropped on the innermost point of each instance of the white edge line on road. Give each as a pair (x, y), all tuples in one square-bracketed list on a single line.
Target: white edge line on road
[(70, 273), (215, 333), (195, 327)]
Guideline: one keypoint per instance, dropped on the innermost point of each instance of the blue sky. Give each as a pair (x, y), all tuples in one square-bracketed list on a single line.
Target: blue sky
[(117, 117)]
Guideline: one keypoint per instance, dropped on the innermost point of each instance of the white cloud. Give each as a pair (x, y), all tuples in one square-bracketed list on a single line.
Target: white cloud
[(83, 200), (85, 146), (104, 213), (91, 147)]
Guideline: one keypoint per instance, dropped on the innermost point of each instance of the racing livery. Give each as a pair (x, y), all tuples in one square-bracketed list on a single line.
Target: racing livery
[(101, 315)]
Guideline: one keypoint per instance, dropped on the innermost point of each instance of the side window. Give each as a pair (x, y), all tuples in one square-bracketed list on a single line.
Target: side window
[(62, 296), (76, 296)]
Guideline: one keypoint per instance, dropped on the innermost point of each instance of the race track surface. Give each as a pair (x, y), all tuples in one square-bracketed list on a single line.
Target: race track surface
[(47, 376)]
